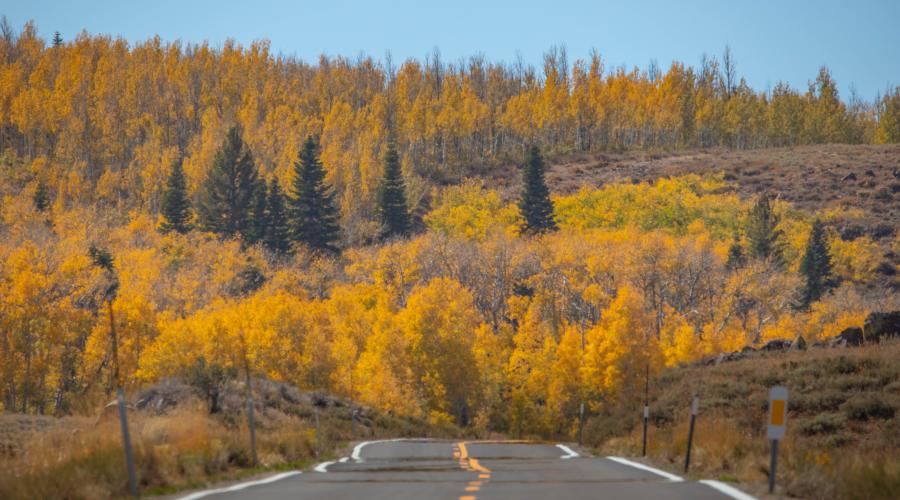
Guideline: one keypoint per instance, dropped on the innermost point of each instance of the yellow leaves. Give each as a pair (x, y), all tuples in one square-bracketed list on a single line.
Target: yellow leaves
[(438, 327), (223, 333), (680, 342), (677, 204), (472, 212), (620, 345), (854, 260)]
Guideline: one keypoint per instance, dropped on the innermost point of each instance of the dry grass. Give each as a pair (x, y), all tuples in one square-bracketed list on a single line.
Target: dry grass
[(843, 432), (82, 457)]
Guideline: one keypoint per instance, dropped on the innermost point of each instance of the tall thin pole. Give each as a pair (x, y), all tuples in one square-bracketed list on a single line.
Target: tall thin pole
[(126, 441), (646, 407), (773, 464)]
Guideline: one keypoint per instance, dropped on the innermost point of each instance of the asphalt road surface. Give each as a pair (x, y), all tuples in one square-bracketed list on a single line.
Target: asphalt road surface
[(418, 469)]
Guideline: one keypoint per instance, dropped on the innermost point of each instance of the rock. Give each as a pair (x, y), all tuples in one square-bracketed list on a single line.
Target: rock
[(850, 337), (886, 269), (748, 348), (777, 345), (729, 357), (869, 173), (882, 230), (799, 344), (851, 232), (849, 177), (162, 397), (881, 326), (896, 173)]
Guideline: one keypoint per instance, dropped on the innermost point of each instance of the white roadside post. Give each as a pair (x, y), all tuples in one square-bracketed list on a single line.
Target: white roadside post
[(778, 404)]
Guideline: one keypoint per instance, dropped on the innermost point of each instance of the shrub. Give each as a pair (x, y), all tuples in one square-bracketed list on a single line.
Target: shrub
[(869, 406), (824, 423)]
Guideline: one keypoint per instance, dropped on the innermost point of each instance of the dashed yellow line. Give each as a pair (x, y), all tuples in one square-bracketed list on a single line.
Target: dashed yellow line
[(470, 464)]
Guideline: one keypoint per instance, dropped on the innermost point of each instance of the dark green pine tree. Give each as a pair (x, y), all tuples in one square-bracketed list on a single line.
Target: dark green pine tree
[(763, 236), (229, 187), (57, 39), (176, 207), (278, 233), (535, 202), (815, 266), (259, 218), (392, 196), (41, 197), (736, 258), (312, 213)]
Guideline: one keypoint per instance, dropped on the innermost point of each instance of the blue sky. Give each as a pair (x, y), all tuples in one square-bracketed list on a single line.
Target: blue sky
[(771, 40)]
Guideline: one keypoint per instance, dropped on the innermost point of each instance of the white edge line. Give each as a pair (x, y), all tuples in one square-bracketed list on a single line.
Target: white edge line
[(239, 486), (670, 477), (570, 451), (727, 489), (358, 448), (323, 467)]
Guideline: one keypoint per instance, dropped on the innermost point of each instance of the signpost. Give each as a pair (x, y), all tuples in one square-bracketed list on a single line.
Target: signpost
[(778, 401), (695, 407)]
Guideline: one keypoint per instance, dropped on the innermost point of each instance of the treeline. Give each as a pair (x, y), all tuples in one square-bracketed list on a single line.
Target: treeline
[(104, 120), (500, 315)]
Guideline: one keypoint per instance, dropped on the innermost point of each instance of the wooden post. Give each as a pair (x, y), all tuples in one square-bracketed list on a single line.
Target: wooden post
[(646, 408), (126, 440), (695, 406)]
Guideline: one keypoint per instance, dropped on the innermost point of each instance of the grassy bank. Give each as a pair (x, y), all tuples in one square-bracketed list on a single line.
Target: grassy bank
[(843, 438), (183, 445)]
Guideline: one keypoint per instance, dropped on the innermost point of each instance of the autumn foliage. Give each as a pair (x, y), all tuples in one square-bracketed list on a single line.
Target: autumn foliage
[(469, 320)]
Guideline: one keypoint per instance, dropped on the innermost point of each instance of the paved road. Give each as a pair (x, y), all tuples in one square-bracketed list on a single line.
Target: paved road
[(416, 469)]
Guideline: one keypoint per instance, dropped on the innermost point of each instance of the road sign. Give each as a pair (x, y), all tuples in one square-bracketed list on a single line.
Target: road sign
[(778, 403)]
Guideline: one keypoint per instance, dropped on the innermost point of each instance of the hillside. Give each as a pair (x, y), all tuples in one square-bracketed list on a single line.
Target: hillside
[(179, 444), (810, 177), (469, 245), (843, 431)]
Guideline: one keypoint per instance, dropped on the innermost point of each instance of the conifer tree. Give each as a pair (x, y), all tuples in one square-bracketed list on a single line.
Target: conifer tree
[(736, 258), (57, 39), (229, 187), (313, 215), (535, 202), (815, 266), (763, 236), (176, 207), (258, 223), (392, 196), (278, 234), (41, 198)]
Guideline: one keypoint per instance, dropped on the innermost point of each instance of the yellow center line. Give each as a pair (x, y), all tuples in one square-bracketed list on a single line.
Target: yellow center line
[(470, 464)]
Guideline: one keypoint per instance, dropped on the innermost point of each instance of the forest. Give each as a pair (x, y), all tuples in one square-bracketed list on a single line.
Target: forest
[(172, 209)]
